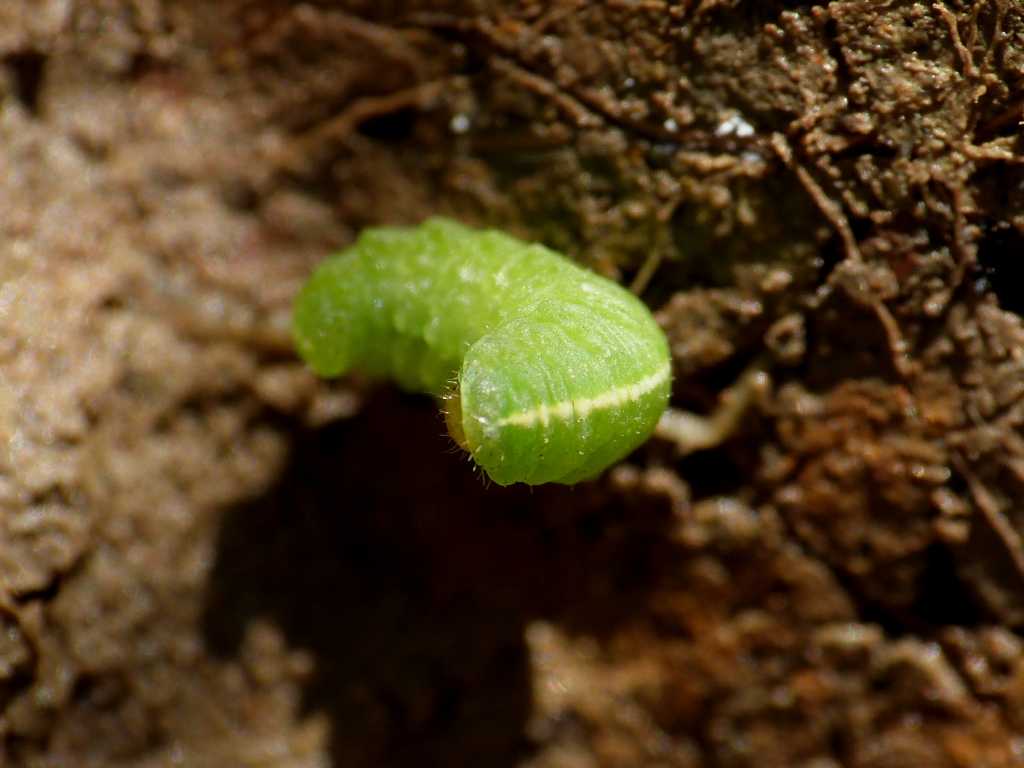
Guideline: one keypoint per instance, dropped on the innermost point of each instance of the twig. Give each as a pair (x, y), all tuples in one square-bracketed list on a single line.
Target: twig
[(570, 105), (828, 207), (965, 257), (992, 513), (986, 152), (657, 254), (690, 432), (340, 127), (383, 38), (966, 60)]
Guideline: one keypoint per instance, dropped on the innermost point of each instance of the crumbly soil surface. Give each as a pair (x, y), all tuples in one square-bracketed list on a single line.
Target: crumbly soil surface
[(209, 558)]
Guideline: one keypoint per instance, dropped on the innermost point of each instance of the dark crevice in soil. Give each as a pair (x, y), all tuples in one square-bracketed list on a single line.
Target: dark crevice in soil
[(844, 77), (944, 599), (391, 126), (711, 473), (850, 350), (1001, 266), (29, 70)]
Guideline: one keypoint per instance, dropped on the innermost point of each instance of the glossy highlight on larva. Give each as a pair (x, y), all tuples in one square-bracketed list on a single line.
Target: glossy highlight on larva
[(550, 372)]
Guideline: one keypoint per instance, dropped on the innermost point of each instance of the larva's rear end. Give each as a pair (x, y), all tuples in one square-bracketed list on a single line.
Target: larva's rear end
[(329, 320), (374, 307)]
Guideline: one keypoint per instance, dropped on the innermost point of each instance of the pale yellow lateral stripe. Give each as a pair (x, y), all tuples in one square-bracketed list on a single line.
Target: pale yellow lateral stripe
[(566, 409)]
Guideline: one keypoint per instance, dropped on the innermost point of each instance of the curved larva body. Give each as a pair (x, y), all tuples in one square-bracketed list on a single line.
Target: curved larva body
[(558, 372)]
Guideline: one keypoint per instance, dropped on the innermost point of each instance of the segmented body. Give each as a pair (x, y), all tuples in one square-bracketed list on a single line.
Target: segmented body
[(554, 372)]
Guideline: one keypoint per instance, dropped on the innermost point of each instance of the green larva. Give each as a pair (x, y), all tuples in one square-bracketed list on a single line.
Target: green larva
[(550, 372)]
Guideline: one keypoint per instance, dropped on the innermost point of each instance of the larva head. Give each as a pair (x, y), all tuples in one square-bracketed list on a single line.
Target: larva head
[(543, 400)]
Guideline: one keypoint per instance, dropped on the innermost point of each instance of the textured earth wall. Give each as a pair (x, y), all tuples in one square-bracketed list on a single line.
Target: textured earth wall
[(208, 558)]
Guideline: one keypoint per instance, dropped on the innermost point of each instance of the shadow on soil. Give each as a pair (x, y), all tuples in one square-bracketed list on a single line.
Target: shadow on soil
[(411, 582)]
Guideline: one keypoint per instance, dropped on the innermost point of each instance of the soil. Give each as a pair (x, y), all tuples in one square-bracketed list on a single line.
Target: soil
[(210, 558)]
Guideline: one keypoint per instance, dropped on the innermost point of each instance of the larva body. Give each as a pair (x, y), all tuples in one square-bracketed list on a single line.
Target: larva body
[(552, 372)]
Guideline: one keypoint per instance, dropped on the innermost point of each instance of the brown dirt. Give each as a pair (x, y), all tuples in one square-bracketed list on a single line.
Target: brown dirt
[(208, 558)]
